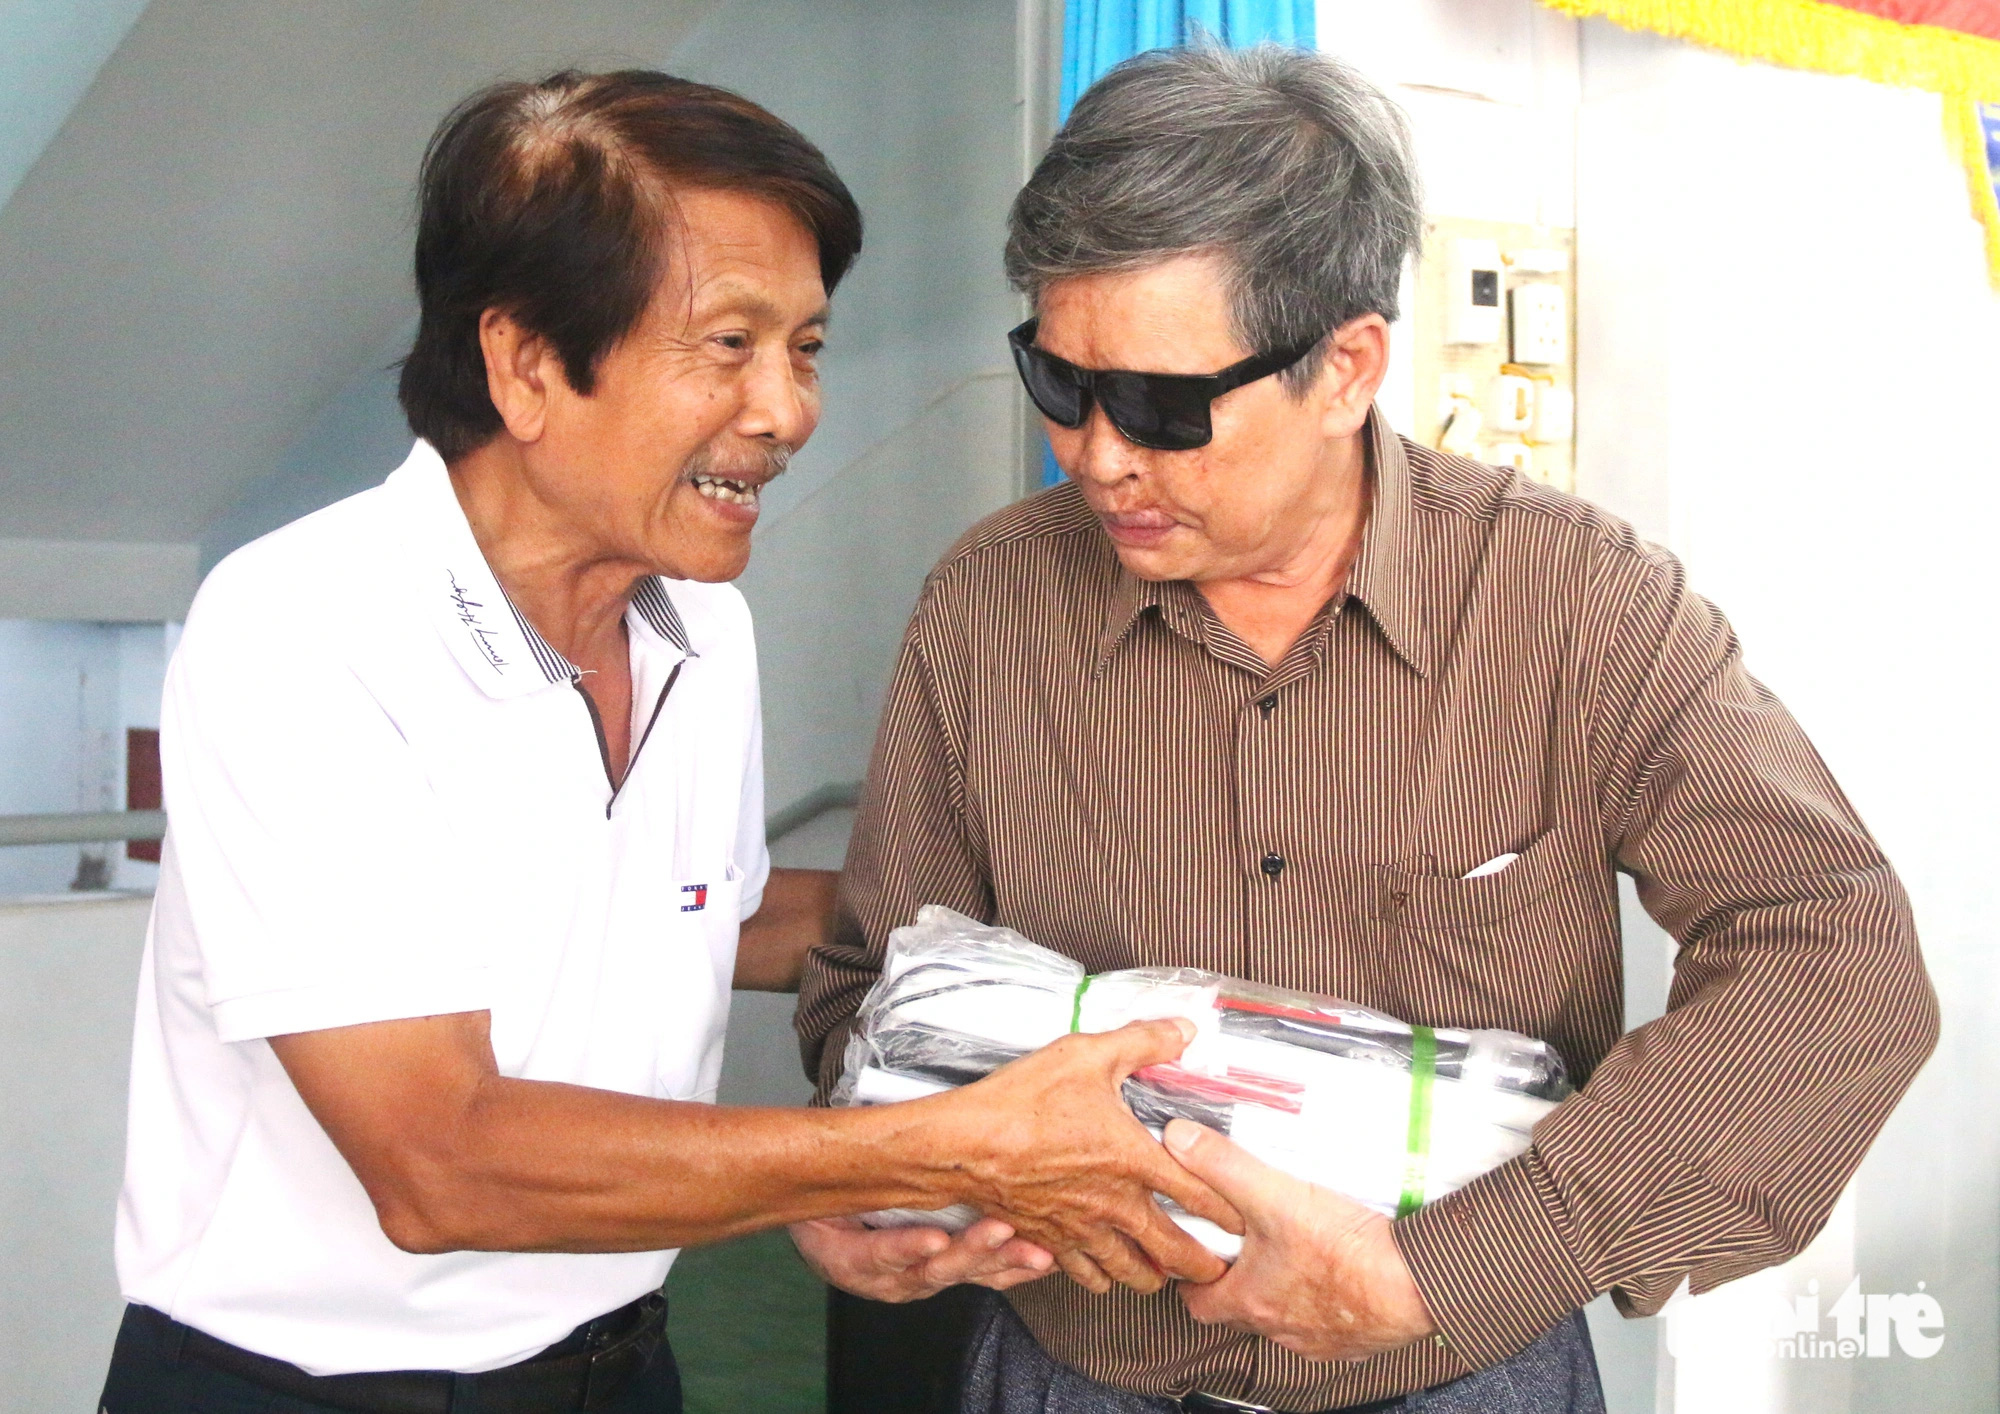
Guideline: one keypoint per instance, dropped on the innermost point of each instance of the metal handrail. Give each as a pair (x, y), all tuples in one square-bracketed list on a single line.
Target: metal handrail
[(111, 826), (836, 795), (95, 827)]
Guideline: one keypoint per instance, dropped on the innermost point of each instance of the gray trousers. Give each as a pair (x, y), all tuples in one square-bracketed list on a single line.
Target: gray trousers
[(1007, 1372)]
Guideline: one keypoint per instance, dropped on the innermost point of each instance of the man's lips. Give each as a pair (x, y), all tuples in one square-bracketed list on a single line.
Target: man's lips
[(1137, 528)]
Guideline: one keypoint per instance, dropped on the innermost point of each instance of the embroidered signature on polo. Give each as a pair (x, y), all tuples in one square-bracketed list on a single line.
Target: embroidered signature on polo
[(466, 608)]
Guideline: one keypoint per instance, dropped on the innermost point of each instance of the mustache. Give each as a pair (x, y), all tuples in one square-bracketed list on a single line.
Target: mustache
[(759, 462)]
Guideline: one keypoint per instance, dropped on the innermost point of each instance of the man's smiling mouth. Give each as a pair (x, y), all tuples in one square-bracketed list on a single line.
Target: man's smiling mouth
[(765, 464), (723, 488)]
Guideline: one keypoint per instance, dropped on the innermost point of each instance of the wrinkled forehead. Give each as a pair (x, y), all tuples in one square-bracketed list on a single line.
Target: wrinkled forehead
[(1173, 316), (742, 256)]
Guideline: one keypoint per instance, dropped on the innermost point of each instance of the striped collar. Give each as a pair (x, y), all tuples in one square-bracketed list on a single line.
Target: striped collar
[(1380, 580), (491, 638), (1383, 578)]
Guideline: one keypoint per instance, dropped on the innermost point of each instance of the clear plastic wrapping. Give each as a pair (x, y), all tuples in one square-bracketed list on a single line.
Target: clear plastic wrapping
[(1341, 1096)]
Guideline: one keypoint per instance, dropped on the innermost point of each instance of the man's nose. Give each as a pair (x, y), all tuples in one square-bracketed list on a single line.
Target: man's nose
[(775, 406), (1102, 452)]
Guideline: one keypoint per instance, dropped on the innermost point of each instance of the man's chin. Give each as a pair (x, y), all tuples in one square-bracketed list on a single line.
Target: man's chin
[(712, 556), (1156, 562), (710, 564)]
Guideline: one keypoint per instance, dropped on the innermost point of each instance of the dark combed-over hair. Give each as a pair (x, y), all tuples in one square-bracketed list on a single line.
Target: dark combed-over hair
[(553, 200)]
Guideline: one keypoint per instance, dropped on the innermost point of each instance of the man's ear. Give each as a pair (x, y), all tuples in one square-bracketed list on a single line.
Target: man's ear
[(1351, 373), (521, 369)]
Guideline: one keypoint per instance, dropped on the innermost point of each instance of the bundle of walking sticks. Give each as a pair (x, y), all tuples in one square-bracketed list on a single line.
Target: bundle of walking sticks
[(1390, 1114)]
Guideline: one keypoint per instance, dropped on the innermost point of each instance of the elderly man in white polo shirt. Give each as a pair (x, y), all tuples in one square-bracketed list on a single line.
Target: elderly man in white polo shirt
[(465, 787)]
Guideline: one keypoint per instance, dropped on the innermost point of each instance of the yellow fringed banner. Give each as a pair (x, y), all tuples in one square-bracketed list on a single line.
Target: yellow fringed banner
[(1974, 129), (1962, 67)]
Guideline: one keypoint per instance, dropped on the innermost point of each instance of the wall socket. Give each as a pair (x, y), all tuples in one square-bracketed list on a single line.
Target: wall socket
[(1539, 324)]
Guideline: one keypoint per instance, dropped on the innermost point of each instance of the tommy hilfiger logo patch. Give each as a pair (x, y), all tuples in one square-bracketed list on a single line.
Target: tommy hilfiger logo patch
[(694, 898)]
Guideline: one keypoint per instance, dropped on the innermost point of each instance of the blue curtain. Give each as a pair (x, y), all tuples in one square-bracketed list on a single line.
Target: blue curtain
[(1099, 34)]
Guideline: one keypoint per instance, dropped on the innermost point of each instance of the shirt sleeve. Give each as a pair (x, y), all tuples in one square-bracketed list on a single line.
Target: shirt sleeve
[(315, 859), (910, 845), (1713, 1141)]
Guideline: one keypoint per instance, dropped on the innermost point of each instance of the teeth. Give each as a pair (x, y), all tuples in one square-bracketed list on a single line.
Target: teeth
[(718, 488)]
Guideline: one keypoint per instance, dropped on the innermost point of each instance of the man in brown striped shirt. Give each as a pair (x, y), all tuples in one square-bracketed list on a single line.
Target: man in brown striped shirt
[(1264, 686)]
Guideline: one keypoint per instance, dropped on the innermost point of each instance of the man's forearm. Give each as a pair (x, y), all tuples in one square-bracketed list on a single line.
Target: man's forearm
[(456, 1156), (796, 915), (533, 1166)]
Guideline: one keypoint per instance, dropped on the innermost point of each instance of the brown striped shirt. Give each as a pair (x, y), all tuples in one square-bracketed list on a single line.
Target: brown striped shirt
[(1096, 761)]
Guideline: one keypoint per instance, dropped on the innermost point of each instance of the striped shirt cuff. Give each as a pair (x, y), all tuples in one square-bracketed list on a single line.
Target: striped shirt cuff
[(1491, 1262)]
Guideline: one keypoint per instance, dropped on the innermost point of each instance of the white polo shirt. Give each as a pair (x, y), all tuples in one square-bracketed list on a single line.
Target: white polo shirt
[(388, 799)]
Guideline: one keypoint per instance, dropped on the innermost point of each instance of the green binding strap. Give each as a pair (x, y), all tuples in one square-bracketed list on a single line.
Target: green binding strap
[(1423, 1070), (1076, 1006)]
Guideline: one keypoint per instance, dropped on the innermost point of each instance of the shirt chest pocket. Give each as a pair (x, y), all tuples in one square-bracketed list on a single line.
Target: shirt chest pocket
[(1485, 951), (1410, 897)]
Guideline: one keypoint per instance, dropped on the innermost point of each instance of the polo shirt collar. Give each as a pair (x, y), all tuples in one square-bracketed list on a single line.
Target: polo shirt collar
[(1381, 578), (491, 639)]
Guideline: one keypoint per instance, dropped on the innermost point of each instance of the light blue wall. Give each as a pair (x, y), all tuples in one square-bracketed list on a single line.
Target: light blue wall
[(357, 439), (68, 691)]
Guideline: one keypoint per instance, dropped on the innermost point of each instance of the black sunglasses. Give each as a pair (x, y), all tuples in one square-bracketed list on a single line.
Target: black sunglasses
[(1165, 411)]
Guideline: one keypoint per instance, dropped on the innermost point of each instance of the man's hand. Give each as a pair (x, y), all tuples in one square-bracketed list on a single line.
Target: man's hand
[(1319, 1274), (1049, 1147), (910, 1263)]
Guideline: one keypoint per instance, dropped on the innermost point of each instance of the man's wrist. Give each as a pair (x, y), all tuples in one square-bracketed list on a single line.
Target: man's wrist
[(1491, 1261), (1402, 1314), (914, 1148)]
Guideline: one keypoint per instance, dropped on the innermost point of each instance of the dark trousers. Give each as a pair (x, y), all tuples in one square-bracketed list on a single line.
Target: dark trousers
[(1009, 1373), (154, 1372), (907, 1358)]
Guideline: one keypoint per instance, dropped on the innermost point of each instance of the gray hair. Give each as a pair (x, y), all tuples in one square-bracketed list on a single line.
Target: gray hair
[(1290, 165)]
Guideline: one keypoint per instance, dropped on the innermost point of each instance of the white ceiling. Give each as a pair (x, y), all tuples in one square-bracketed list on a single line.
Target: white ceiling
[(218, 237)]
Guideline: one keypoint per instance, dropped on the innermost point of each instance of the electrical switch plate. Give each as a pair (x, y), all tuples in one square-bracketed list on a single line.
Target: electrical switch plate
[(1472, 314), (1510, 403), (1539, 328)]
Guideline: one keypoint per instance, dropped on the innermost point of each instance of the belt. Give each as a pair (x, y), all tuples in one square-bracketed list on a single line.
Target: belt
[(584, 1370), (1216, 1404)]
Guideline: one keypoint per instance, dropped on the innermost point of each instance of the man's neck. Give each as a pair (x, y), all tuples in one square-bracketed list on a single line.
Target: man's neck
[(570, 590), (1270, 608)]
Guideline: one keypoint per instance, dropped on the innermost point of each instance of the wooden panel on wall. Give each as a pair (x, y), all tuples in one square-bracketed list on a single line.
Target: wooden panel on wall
[(142, 785), (1451, 374)]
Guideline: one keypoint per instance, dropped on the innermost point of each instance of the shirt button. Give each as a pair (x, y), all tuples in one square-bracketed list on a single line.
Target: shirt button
[(1273, 864), (1268, 705)]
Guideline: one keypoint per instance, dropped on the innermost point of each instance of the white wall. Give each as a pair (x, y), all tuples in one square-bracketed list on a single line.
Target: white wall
[(68, 973), (1790, 366)]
